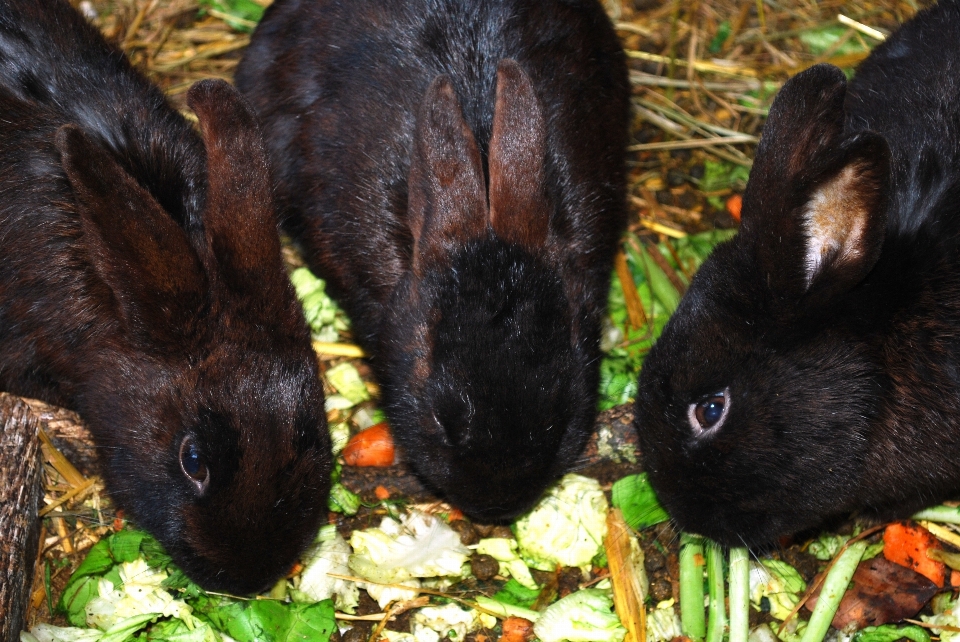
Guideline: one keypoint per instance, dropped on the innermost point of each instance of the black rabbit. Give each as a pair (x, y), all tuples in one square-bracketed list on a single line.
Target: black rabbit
[(455, 169), (141, 285), (813, 368)]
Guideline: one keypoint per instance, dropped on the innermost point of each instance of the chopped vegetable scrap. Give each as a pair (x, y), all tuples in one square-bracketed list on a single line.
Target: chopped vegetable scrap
[(324, 317), (907, 544), (346, 380), (516, 629), (945, 614), (402, 552), (663, 623), (126, 586), (634, 496), (778, 583), (567, 527), (329, 554), (584, 616), (371, 447)]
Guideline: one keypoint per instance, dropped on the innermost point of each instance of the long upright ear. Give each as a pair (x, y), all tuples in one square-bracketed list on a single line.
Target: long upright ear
[(518, 142), (135, 246), (814, 210), (239, 218), (447, 197)]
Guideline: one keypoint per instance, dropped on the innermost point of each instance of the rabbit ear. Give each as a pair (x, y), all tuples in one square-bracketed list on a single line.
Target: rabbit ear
[(518, 205), (447, 196), (815, 205), (239, 217), (136, 247)]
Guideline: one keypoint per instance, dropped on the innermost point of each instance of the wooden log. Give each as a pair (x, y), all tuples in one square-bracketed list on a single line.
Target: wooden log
[(20, 494)]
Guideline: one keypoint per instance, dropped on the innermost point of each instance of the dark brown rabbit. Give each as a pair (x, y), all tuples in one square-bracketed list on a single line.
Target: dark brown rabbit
[(141, 284), (813, 368), (455, 169)]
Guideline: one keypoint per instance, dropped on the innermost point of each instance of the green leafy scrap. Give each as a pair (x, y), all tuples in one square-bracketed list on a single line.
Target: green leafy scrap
[(723, 32), (270, 621), (241, 15), (635, 498), (261, 620), (891, 633), (513, 592), (830, 39), (719, 176)]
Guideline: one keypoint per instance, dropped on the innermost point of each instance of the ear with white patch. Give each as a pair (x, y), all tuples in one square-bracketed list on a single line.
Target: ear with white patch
[(844, 219), (814, 211)]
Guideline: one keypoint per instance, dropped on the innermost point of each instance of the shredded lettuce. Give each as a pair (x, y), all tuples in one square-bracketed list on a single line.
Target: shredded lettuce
[(323, 316), (450, 618), (777, 581), (139, 593), (346, 379), (567, 527), (584, 616), (50, 633), (946, 613), (328, 555), (418, 546), (663, 623)]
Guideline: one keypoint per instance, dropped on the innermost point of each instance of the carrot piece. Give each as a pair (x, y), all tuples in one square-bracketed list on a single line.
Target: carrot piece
[(906, 543), (954, 578), (516, 629), (454, 514), (734, 205), (370, 447), (381, 492)]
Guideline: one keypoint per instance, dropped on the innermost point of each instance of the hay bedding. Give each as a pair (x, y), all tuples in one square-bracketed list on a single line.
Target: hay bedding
[(704, 74)]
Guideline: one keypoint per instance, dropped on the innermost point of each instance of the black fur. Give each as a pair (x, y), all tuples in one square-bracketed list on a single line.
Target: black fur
[(841, 362), (143, 288), (475, 272)]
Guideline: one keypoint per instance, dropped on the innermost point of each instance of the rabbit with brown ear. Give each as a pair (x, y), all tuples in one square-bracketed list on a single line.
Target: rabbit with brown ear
[(455, 169), (141, 285), (813, 368)]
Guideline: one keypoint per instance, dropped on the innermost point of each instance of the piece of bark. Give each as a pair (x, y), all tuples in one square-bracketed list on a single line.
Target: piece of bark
[(20, 494)]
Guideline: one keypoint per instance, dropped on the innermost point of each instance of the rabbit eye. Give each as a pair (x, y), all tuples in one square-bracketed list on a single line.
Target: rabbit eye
[(710, 412), (192, 463)]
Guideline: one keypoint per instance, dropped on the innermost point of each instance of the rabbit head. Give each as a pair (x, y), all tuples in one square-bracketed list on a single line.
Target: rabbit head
[(482, 374), (754, 405), (206, 402)]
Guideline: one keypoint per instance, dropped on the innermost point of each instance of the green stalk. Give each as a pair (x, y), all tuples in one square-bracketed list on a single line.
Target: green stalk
[(692, 622), (942, 514), (832, 592), (717, 621), (739, 594)]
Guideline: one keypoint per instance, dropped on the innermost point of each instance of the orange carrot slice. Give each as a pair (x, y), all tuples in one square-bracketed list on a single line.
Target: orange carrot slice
[(370, 447), (381, 492), (734, 205), (906, 543), (516, 629)]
